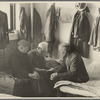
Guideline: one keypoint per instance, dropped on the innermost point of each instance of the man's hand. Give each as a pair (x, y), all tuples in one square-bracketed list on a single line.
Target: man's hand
[(34, 75), (48, 58), (53, 76)]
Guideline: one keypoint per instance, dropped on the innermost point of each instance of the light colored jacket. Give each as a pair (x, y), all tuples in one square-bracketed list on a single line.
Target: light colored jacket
[(95, 34)]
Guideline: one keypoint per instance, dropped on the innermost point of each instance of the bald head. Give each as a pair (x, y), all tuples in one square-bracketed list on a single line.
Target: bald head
[(43, 45), (43, 48)]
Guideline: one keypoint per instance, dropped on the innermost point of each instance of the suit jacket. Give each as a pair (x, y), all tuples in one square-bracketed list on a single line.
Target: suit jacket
[(74, 69), (36, 60), (20, 65), (4, 38)]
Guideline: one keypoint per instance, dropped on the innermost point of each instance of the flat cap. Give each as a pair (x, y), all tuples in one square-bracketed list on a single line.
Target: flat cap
[(23, 43)]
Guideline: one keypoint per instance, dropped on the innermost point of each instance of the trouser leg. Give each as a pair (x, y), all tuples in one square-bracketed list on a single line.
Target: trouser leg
[(31, 88), (23, 88)]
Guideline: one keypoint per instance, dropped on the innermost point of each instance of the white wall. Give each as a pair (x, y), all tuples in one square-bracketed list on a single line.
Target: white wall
[(42, 10)]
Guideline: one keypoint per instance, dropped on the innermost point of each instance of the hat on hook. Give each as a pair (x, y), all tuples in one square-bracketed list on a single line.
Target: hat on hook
[(80, 6)]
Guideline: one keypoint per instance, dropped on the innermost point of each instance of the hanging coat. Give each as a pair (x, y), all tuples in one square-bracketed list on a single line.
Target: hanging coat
[(50, 25), (80, 33), (81, 26), (23, 24), (4, 38), (95, 34), (37, 28)]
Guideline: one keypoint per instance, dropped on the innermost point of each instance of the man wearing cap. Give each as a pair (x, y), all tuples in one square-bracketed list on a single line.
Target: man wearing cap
[(28, 82), (20, 63)]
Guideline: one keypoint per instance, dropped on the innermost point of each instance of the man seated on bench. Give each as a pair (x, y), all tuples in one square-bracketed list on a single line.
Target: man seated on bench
[(73, 68), (43, 64), (28, 82)]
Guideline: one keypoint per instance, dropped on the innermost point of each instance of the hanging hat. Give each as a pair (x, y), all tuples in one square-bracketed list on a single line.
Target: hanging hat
[(80, 6)]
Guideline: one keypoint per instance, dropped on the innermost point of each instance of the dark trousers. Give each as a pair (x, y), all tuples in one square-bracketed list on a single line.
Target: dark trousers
[(31, 88), (50, 83)]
